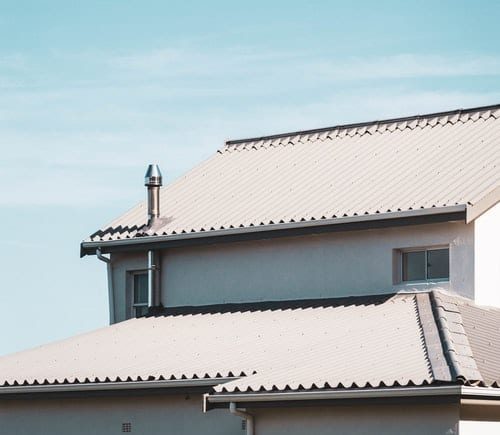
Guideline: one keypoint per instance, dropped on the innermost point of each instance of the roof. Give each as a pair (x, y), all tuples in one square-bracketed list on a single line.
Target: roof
[(359, 170), (357, 342)]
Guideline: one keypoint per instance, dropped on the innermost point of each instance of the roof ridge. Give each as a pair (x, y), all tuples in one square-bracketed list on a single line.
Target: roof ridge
[(365, 124), (454, 338)]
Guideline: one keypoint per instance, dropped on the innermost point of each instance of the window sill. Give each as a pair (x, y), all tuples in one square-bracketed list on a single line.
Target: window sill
[(421, 286)]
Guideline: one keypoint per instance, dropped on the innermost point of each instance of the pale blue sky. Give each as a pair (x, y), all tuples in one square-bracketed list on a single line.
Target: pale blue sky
[(91, 93)]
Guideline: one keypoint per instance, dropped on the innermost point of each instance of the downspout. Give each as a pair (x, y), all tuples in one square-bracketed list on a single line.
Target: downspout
[(245, 415), (111, 294), (154, 280)]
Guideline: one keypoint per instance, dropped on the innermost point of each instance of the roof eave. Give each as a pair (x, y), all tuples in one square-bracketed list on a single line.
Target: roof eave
[(456, 212), (112, 386), (482, 206), (212, 400)]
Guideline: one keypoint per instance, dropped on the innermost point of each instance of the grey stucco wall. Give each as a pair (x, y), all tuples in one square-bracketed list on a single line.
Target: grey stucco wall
[(172, 415), (359, 420), (327, 265)]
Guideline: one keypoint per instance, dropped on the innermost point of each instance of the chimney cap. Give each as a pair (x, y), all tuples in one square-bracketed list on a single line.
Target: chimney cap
[(153, 176)]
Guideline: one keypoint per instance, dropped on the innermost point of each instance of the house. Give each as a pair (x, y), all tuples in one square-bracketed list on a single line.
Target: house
[(342, 280)]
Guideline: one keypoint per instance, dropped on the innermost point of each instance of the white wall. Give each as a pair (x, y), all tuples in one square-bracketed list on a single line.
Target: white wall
[(479, 427), (328, 265), (487, 258)]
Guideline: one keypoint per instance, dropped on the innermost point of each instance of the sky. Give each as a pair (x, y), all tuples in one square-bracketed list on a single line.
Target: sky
[(91, 92)]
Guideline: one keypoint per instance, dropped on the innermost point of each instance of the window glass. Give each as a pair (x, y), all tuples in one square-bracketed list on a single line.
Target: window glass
[(438, 264), (141, 288), (414, 266), (141, 310)]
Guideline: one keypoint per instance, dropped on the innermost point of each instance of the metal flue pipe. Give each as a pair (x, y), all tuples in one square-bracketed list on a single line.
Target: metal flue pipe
[(153, 181)]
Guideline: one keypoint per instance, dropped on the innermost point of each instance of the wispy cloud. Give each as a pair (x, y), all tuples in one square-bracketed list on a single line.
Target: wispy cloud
[(112, 114), (406, 66), (172, 62)]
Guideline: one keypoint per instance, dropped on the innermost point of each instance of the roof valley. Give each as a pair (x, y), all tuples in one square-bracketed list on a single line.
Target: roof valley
[(454, 339)]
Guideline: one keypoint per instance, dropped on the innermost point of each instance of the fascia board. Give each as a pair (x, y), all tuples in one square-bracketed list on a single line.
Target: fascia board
[(88, 247), (482, 206), (107, 386), (480, 393)]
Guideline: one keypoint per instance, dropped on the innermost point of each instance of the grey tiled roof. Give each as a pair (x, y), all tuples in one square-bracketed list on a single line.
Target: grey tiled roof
[(376, 168), (482, 327), (387, 340)]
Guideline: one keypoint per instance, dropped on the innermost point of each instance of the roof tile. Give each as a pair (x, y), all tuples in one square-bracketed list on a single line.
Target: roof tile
[(386, 340), (345, 171)]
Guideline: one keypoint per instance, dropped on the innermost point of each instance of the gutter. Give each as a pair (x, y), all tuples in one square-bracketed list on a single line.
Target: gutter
[(452, 211), (114, 386), (466, 393), (363, 393), (481, 392)]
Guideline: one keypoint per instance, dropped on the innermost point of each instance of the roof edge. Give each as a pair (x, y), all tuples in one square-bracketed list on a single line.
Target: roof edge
[(90, 247), (483, 205), (362, 124), (106, 386), (215, 400), (359, 393)]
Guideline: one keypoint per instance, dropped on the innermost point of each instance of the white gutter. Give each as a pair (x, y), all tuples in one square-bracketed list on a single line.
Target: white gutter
[(111, 293), (364, 393), (276, 227), (367, 393), (245, 415), (481, 392), (107, 386)]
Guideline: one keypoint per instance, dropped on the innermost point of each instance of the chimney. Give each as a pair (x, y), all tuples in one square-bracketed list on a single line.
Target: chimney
[(153, 182)]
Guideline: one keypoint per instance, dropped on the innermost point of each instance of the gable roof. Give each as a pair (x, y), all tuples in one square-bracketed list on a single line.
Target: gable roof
[(430, 163), (371, 342)]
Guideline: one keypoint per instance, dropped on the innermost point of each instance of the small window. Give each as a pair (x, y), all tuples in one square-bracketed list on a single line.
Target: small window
[(426, 265), (140, 295)]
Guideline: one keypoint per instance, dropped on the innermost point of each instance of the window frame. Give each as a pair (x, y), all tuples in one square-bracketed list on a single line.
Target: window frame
[(399, 265), (131, 297)]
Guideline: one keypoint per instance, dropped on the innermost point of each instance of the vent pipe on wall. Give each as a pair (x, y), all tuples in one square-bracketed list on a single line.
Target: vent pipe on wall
[(153, 182)]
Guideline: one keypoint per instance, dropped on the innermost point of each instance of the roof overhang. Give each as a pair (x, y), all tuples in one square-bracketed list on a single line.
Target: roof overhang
[(350, 223), (459, 393), (125, 387), (482, 206)]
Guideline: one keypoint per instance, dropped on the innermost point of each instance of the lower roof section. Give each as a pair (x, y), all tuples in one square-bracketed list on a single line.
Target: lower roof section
[(402, 340)]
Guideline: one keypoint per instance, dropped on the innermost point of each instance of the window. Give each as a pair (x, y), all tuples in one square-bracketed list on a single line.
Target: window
[(140, 295), (426, 265)]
